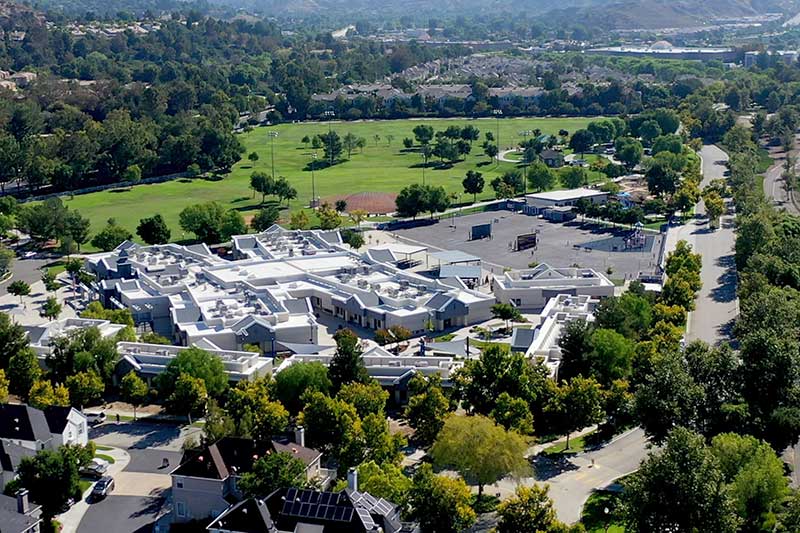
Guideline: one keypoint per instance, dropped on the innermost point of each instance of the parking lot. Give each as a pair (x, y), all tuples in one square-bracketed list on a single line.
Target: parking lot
[(559, 244)]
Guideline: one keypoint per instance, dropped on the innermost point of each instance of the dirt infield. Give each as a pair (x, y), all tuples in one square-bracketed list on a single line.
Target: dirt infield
[(374, 203)]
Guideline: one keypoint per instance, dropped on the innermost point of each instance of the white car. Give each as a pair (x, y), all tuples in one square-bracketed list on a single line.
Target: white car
[(29, 255), (95, 418)]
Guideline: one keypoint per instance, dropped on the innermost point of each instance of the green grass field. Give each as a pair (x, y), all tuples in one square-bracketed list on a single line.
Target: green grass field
[(382, 167)]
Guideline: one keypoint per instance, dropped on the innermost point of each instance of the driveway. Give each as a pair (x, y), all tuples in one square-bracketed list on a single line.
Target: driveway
[(123, 514)]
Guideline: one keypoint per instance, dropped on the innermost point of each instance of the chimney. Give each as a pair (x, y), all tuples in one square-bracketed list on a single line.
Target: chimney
[(300, 436), (23, 506), (352, 479)]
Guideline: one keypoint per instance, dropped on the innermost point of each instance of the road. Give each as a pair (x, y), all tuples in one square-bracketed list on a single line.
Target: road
[(717, 304), (27, 270), (572, 479)]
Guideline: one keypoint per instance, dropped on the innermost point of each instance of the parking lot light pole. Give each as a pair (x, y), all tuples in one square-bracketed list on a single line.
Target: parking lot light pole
[(313, 186), (498, 113), (330, 114)]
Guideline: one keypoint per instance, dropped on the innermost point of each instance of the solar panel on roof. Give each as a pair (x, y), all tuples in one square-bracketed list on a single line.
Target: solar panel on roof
[(383, 507), (305, 496), (348, 514), (325, 498), (321, 510), (330, 512), (287, 506), (366, 519), (304, 509), (315, 497), (291, 493), (296, 508), (339, 513)]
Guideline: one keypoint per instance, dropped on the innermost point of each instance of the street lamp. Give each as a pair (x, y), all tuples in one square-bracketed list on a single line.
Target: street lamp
[(607, 511), (272, 135), (313, 186), (330, 114), (498, 113)]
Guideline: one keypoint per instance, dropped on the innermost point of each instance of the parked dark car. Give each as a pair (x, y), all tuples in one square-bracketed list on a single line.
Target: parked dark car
[(103, 487)]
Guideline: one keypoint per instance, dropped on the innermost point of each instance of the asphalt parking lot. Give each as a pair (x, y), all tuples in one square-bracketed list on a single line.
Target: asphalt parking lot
[(559, 245), (122, 514)]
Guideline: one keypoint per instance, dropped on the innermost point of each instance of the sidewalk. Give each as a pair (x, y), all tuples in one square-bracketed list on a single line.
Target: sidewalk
[(72, 518)]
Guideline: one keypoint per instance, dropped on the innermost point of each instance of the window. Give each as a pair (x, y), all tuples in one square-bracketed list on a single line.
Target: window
[(180, 508), (179, 483)]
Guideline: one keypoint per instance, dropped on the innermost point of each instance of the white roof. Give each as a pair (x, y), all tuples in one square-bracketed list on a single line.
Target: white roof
[(566, 194), (400, 249)]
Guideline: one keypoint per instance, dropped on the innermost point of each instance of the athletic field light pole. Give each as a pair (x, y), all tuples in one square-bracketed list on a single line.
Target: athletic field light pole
[(497, 114), (272, 135), (330, 114), (313, 187)]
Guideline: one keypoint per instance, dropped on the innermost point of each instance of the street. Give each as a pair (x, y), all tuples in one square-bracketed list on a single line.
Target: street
[(716, 304), (775, 185)]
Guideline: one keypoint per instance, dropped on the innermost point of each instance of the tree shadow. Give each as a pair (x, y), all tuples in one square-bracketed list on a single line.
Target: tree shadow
[(549, 466), (150, 508), (149, 435), (120, 190)]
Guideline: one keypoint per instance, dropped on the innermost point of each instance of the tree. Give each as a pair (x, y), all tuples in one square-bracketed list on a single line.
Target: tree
[(357, 216), (581, 141), (44, 394), (23, 372), (292, 383), (132, 175), (19, 288), (329, 218), (473, 184), (679, 488), (480, 450), (440, 503), (188, 396), (411, 200), (262, 183), (575, 345), (211, 222), (253, 412), (265, 218), (298, 220), (540, 176), (76, 227), (436, 199), (111, 236), (154, 230), (715, 207), (272, 472), (423, 134), (573, 177), (334, 427), (367, 398), (4, 384), (196, 363), (629, 151), (13, 338), (507, 313), (51, 478), (649, 130), (133, 390), (347, 366), (117, 316), (253, 156), (383, 481), (51, 308), (490, 150), (340, 206), (350, 143), (611, 356), (755, 476), (332, 145), (427, 407), (529, 509), (577, 404), (513, 414), (84, 388)]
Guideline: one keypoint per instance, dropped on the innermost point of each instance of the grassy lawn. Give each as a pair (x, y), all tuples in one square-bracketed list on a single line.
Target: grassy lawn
[(576, 444), (381, 168), (101, 448), (105, 457), (56, 267), (594, 517), (84, 484)]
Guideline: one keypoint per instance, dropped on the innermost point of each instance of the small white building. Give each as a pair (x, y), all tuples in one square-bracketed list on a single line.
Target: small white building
[(558, 312), (150, 360), (41, 337), (568, 197), (531, 289)]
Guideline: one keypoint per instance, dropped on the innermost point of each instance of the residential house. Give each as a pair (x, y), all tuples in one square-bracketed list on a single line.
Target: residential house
[(18, 515), (293, 510), (205, 483), (552, 158)]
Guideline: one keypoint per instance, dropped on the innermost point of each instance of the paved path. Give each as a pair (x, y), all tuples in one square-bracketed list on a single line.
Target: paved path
[(775, 185), (717, 304), (573, 478)]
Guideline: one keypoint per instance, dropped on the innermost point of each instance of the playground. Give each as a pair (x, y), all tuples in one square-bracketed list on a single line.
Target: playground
[(625, 251)]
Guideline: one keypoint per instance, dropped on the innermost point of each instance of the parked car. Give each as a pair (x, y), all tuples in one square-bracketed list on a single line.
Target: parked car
[(95, 418), (96, 469), (103, 487)]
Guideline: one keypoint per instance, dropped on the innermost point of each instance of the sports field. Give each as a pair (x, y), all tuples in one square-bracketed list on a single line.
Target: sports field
[(383, 166)]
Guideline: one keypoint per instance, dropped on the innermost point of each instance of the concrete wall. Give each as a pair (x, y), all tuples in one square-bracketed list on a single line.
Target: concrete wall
[(196, 498)]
